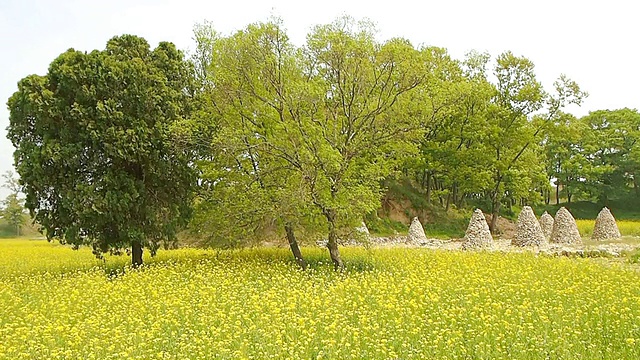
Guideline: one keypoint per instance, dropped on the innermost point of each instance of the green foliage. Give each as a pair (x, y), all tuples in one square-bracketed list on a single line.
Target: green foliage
[(634, 257), (13, 211), (306, 132), (622, 209), (383, 226), (609, 141), (93, 145), (482, 138)]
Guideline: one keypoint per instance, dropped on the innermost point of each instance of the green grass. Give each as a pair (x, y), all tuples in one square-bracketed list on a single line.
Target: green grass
[(437, 223), (384, 226), (447, 228), (622, 209), (389, 304)]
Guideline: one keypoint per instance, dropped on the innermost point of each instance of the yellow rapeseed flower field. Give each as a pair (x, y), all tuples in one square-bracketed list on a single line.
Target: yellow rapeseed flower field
[(400, 303), (626, 227)]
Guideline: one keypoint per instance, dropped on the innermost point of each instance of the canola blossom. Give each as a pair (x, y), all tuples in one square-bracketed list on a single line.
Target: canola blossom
[(399, 303)]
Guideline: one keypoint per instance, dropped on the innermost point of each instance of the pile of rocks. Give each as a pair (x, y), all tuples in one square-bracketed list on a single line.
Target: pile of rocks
[(606, 227), (363, 229), (478, 235), (546, 223), (529, 232), (416, 233), (565, 229)]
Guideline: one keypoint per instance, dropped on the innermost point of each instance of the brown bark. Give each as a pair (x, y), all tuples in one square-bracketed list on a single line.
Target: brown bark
[(136, 254), (332, 244), (295, 249), (494, 217), (557, 192)]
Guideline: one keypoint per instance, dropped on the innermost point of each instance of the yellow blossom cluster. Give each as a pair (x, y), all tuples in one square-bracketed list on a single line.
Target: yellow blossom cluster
[(400, 303)]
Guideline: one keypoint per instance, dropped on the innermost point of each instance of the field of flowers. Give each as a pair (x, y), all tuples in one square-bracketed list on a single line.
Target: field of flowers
[(56, 303), (626, 227)]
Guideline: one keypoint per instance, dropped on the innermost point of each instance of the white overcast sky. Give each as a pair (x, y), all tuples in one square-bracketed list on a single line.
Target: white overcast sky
[(595, 43)]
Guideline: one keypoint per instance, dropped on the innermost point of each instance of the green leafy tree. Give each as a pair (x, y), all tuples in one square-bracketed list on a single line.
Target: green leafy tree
[(357, 125), (13, 211), (566, 160), (326, 122), (513, 133), (455, 98), (610, 144), (248, 194), (94, 146)]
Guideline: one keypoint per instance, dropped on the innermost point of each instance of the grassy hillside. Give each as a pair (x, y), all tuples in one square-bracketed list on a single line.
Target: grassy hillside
[(403, 202), (622, 209)]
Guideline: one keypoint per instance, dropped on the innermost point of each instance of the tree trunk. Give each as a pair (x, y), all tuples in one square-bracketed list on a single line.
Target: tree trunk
[(136, 254), (461, 200), (332, 244), (295, 249), (428, 187), (446, 206), (635, 185), (455, 193), (547, 197), (494, 216), (557, 192)]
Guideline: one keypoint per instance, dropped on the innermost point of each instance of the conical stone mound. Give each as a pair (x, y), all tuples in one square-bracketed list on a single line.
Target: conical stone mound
[(363, 229), (529, 232), (606, 227), (478, 235), (565, 230), (546, 223), (416, 232)]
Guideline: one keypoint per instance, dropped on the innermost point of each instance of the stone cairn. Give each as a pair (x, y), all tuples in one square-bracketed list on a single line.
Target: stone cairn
[(416, 233), (363, 229), (529, 232), (478, 235), (362, 234), (546, 223), (565, 229), (606, 227)]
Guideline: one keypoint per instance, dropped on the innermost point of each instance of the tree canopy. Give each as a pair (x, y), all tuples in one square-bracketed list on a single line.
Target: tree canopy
[(94, 150)]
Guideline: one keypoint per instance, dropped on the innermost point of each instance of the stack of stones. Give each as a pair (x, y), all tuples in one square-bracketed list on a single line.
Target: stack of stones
[(363, 229), (565, 229), (478, 235), (606, 227), (546, 223), (416, 233), (529, 232), (362, 234)]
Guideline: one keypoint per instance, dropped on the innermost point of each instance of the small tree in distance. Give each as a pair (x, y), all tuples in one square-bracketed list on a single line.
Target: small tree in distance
[(13, 210)]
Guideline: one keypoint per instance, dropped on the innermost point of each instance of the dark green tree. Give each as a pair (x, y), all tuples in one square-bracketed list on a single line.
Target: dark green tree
[(610, 144), (94, 148)]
